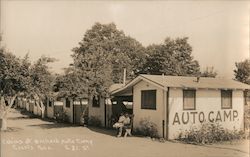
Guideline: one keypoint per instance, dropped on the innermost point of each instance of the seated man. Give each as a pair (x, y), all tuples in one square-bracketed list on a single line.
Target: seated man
[(125, 120), (121, 124)]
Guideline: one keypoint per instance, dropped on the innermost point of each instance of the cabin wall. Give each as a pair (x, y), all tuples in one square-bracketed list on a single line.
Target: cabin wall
[(68, 110), (98, 112), (208, 109), (155, 116), (50, 111)]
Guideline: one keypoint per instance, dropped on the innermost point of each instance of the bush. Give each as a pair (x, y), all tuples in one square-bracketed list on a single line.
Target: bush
[(62, 117), (210, 133), (94, 121), (147, 128), (65, 117)]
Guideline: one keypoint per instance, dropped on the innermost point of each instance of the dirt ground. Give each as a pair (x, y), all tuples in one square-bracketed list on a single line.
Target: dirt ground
[(28, 137)]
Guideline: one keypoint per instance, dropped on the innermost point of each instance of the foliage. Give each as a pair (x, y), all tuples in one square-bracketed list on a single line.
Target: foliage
[(209, 133), (18, 77), (242, 71), (147, 128), (173, 57), (209, 72), (101, 56), (62, 117), (247, 117), (41, 77), (70, 84), (11, 74), (94, 121)]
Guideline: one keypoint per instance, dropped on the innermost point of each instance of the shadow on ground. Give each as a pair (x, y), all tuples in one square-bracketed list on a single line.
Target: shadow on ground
[(53, 125), (20, 118), (12, 129), (105, 131)]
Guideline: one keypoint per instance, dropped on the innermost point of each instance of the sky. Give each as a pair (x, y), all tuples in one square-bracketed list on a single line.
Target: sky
[(218, 31)]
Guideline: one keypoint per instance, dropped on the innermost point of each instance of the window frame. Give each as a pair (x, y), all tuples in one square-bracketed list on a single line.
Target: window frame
[(147, 107), (51, 103), (98, 105), (231, 99), (183, 96), (66, 104)]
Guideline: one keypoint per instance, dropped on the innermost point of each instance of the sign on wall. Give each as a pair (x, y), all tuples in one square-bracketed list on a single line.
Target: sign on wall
[(200, 117)]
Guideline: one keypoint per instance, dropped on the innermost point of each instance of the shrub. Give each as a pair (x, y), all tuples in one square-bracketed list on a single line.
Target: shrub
[(210, 133), (147, 128), (62, 117), (65, 117), (94, 121)]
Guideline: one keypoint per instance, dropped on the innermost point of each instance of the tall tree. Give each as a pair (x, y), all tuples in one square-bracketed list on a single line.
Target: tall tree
[(174, 57), (41, 81), (102, 54), (242, 71), (70, 84), (12, 80)]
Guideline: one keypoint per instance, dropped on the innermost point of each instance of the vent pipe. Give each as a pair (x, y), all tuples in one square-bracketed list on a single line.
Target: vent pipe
[(124, 76)]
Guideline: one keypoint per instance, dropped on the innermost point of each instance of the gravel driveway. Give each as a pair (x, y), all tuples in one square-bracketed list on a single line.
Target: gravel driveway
[(30, 136)]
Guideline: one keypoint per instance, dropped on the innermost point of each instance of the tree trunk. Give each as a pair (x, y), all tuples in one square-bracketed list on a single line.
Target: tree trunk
[(41, 107), (2, 114), (11, 102), (4, 111), (4, 122)]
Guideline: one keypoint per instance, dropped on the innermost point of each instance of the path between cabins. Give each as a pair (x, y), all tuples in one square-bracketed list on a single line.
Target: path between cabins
[(28, 137)]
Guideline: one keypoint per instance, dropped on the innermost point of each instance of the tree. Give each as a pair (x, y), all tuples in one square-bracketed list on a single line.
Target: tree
[(41, 81), (12, 80), (171, 58), (70, 84), (209, 72), (242, 71), (102, 55)]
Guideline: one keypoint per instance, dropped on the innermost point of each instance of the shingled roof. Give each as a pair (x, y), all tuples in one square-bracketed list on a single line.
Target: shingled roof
[(164, 81)]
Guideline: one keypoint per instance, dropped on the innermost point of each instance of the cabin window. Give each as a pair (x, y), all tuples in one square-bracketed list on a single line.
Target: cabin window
[(189, 99), (226, 99), (51, 102), (148, 99), (96, 101), (67, 102), (246, 97)]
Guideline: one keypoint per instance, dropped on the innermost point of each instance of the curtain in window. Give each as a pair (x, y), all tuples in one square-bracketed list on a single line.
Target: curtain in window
[(226, 99), (148, 99), (189, 99)]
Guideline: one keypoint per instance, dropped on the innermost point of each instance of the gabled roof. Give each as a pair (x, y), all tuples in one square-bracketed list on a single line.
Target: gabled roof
[(163, 82), (115, 86)]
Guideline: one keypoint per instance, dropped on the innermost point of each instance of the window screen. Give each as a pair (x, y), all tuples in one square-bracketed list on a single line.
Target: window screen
[(96, 101), (189, 99), (226, 99), (148, 99)]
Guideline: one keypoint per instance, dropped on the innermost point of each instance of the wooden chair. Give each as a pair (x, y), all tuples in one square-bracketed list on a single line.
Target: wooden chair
[(128, 128)]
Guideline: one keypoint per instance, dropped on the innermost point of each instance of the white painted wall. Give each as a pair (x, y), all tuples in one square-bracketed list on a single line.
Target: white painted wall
[(36, 109), (50, 110), (97, 111), (27, 105), (206, 101), (21, 103), (155, 116), (68, 110)]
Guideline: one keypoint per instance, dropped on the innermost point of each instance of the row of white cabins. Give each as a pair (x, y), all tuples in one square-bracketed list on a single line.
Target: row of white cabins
[(173, 103)]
